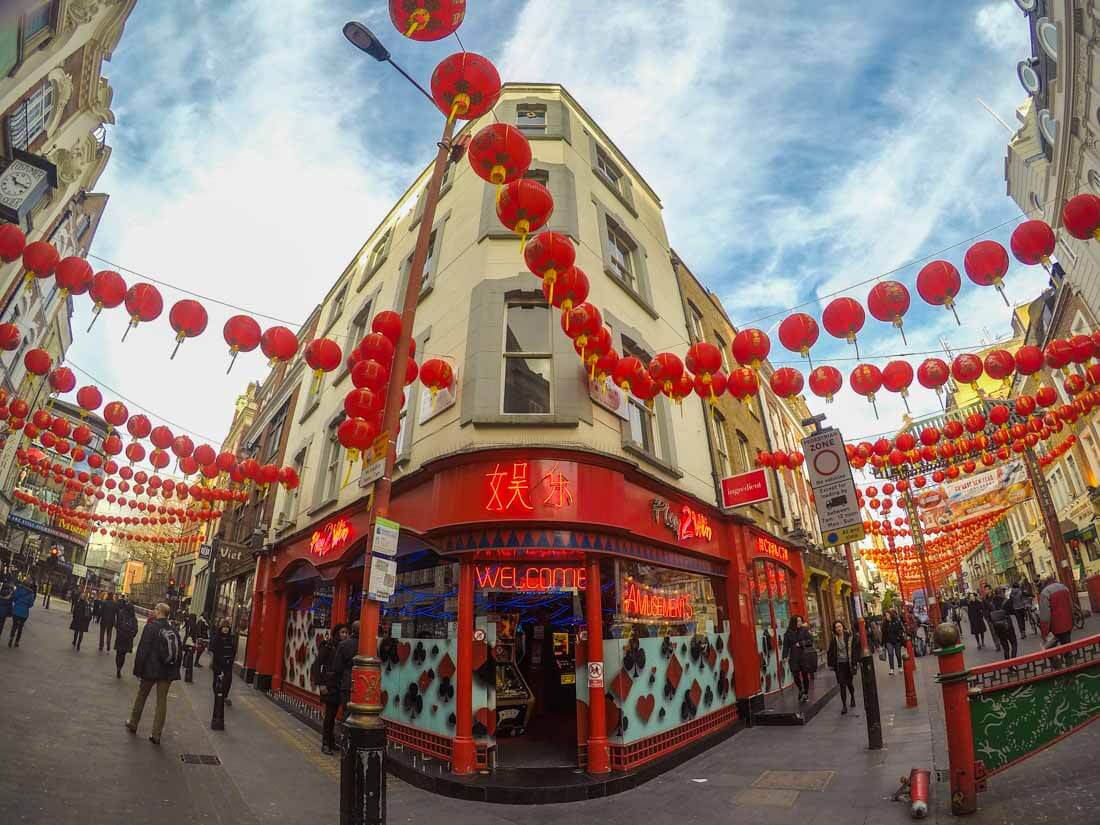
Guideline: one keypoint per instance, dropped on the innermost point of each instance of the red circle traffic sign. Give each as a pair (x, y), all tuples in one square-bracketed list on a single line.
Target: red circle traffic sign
[(826, 462)]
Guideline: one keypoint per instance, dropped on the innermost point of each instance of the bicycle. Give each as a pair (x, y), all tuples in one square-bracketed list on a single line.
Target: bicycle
[(1033, 617), (1078, 616)]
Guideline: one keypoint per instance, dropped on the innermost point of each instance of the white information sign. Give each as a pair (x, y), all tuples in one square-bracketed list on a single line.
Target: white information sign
[(383, 579), (385, 537), (834, 488)]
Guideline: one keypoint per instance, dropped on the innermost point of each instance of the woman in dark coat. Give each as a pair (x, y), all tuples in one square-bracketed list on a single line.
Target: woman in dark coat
[(327, 681), (1000, 619), (126, 628), (844, 651), (82, 617), (975, 614), (797, 641), (893, 637)]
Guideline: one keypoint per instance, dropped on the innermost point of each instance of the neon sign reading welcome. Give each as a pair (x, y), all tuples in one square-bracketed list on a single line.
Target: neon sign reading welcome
[(530, 578)]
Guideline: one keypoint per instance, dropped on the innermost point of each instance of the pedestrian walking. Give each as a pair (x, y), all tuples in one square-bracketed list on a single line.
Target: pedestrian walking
[(201, 636), (342, 664), (893, 637), (798, 647), (82, 617), (1016, 600), (97, 606), (188, 627), (47, 591), (21, 603), (987, 607), (126, 628), (1000, 617), (7, 595), (157, 665), (223, 653), (975, 616), (1056, 611), (328, 684), (107, 612), (844, 651)]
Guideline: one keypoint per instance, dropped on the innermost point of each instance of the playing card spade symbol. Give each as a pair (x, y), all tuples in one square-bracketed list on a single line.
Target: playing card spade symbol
[(412, 703), (452, 720), (661, 715), (720, 645)]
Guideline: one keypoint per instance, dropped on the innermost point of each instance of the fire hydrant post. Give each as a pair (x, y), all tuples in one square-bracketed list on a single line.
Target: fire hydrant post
[(908, 667), (956, 708)]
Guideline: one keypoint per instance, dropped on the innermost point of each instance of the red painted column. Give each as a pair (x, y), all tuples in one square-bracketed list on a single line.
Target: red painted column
[(746, 657), (340, 601), (269, 638), (599, 753), (464, 753), (956, 707), (256, 621), (278, 641)]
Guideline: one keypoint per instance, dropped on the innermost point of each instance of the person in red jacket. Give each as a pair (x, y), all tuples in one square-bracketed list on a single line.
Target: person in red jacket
[(1055, 612)]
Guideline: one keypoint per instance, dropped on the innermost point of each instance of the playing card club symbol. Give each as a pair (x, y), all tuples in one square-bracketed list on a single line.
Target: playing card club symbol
[(633, 658), (452, 720), (435, 651), (708, 696), (683, 648), (446, 690), (723, 687), (412, 703), (666, 647), (420, 655)]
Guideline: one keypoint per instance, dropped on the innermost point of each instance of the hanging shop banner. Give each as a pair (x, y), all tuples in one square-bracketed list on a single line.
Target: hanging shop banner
[(746, 488), (610, 397), (386, 533), (982, 493), (834, 488), (383, 579)]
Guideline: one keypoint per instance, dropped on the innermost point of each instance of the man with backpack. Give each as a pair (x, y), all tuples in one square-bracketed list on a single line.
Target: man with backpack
[(157, 664)]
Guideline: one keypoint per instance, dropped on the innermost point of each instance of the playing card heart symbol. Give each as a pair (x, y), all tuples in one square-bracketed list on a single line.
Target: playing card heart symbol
[(403, 651), (644, 707)]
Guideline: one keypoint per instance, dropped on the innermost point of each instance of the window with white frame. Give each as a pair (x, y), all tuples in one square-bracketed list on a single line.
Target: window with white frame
[(644, 433), (621, 250), (607, 168), (528, 359), (275, 433), (1072, 476), (338, 304), (331, 471), (359, 326), (28, 121), (743, 450), (721, 447), (722, 348), (293, 497), (429, 262), (531, 118), (695, 323), (36, 21), (379, 251)]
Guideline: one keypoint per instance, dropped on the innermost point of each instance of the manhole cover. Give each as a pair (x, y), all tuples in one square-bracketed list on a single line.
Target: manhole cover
[(199, 759), (795, 780), (764, 796)]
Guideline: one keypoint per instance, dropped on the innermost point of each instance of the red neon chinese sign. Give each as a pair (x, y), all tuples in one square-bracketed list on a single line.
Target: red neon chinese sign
[(333, 536), (767, 547), (509, 490), (646, 602), (530, 578)]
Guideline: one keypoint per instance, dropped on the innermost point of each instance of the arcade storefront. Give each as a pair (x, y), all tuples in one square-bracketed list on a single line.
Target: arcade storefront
[(552, 610)]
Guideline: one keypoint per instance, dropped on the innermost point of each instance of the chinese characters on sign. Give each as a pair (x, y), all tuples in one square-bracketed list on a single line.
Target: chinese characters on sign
[(688, 524), (651, 603), (768, 547), (510, 489), (333, 536)]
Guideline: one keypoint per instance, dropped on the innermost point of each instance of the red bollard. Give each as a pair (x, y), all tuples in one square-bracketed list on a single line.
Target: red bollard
[(918, 793), (908, 666), (956, 707)]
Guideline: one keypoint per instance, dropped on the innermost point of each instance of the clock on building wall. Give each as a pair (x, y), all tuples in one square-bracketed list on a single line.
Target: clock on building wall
[(22, 184)]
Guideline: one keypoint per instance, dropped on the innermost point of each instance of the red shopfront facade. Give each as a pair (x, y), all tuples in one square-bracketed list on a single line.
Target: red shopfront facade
[(553, 608)]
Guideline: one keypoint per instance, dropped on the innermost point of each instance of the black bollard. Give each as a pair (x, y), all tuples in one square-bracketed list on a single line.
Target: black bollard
[(188, 663), (363, 776), (217, 721), (870, 702)]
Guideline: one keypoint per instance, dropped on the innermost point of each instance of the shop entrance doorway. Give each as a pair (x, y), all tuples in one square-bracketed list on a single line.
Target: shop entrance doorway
[(536, 685)]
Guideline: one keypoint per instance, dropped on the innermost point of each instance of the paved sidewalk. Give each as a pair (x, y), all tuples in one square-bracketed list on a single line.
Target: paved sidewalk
[(69, 760)]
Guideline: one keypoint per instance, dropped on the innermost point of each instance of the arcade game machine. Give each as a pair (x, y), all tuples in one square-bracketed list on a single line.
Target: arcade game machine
[(515, 699)]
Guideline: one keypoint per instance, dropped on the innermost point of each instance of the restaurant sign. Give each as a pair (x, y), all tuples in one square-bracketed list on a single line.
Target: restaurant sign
[(684, 522), (331, 537)]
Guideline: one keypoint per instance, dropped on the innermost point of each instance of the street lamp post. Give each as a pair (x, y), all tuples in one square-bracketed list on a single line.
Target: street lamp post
[(362, 766)]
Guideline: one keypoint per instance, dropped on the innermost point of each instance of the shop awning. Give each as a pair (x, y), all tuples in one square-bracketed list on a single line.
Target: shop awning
[(304, 573), (816, 571)]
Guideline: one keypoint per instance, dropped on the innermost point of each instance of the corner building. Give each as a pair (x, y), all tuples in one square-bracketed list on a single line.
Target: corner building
[(522, 490)]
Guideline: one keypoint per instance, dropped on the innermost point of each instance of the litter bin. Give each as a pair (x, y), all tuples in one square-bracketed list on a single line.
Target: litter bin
[(1092, 584)]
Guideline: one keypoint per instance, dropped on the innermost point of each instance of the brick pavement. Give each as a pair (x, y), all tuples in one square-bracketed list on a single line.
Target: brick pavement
[(70, 761)]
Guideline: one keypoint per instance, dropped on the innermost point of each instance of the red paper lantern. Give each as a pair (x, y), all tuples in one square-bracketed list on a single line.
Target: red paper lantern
[(324, 355), (1025, 406), (40, 259), (37, 362), (62, 380), (523, 206), (999, 365), (1029, 360), (710, 389), (799, 332), (866, 380), (159, 459), (1081, 349), (967, 369), (888, 301), (1057, 354), (1032, 242), (1074, 385), (437, 375), (666, 369), (938, 283), (750, 347), (225, 461), (999, 414), (626, 372), (288, 477), (465, 86), (139, 426), (703, 359), (427, 19), (279, 345), (547, 254), (897, 376), (188, 319), (933, 373), (1081, 216), (355, 435), (242, 334), (786, 382), (742, 383), (161, 437), (60, 427), (135, 452), (370, 374), (825, 382), (10, 336), (115, 414), (572, 289), (144, 303), (843, 318), (12, 242), (986, 263), (108, 290), (183, 446), (388, 324), (74, 276), (499, 153), (606, 363)]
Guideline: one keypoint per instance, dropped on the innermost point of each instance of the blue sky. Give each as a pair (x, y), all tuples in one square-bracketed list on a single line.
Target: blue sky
[(795, 155)]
